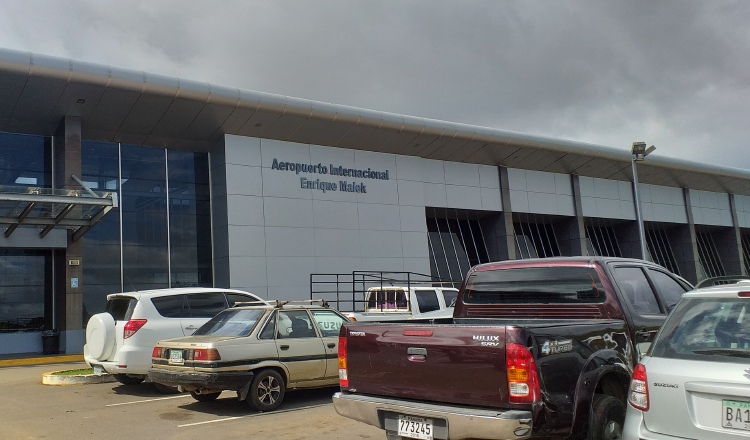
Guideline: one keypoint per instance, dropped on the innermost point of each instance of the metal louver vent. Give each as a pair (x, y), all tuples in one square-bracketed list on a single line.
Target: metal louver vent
[(745, 238), (710, 262), (602, 241), (456, 243), (535, 240), (660, 250)]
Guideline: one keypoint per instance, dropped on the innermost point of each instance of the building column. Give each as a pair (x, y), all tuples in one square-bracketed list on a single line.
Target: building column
[(731, 243), (686, 245), (509, 235), (67, 162), (576, 225)]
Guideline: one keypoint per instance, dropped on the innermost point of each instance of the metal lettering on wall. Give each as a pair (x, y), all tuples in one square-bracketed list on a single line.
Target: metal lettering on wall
[(325, 186)]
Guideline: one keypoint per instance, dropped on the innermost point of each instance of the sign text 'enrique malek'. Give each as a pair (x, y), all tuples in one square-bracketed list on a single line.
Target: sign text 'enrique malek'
[(331, 170)]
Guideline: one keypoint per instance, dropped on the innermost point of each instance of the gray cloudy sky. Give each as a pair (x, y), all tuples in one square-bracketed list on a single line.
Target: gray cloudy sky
[(675, 73)]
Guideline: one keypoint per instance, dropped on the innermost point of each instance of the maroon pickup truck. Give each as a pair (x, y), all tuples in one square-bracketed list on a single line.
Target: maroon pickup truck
[(538, 348)]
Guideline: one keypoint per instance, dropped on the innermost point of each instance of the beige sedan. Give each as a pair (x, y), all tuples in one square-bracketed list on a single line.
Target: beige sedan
[(259, 351)]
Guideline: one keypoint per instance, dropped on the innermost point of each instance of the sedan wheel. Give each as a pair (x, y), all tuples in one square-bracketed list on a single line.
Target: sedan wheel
[(266, 390)]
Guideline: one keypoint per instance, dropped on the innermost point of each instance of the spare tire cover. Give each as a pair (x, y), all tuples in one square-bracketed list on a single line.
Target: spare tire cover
[(100, 336)]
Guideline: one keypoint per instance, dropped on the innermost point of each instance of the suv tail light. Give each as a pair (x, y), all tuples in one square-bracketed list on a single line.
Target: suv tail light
[(523, 382), (131, 327), (343, 372), (638, 394)]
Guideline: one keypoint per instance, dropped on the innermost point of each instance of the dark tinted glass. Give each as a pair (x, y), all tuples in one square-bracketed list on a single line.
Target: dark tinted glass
[(23, 287), (548, 285), (144, 217), (427, 301), (189, 219), (26, 160), (100, 165), (121, 308), (637, 291), (450, 297), (170, 306), (711, 329), (205, 305), (670, 290)]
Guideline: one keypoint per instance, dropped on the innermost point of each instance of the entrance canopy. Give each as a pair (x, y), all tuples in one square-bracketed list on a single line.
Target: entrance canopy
[(77, 209)]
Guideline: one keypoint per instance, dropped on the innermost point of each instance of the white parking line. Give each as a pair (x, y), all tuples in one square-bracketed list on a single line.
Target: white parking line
[(149, 400), (251, 415)]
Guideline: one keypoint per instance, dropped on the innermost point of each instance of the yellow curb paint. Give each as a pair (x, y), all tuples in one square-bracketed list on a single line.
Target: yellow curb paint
[(41, 360)]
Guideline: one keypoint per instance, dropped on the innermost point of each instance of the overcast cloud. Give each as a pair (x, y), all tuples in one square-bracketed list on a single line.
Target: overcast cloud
[(675, 74)]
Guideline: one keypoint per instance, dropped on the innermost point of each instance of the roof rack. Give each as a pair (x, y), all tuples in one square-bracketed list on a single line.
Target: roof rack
[(278, 304)]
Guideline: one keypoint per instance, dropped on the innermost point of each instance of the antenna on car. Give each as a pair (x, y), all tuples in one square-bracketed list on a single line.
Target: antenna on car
[(129, 282)]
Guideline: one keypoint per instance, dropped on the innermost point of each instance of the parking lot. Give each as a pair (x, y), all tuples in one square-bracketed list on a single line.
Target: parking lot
[(30, 410)]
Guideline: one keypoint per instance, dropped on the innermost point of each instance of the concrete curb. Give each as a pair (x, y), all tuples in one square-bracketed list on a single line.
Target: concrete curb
[(41, 360), (80, 379)]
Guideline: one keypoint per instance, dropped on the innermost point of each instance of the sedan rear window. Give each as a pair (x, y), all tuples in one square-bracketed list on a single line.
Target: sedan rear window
[(706, 329), (546, 285), (231, 322)]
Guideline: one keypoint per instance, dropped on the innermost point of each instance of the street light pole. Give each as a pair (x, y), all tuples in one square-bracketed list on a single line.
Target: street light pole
[(640, 152)]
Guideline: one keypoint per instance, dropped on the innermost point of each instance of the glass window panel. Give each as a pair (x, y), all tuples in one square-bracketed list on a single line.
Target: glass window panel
[(172, 306), (144, 218), (189, 219), (26, 160), (329, 323), (100, 164), (637, 291), (205, 305), (427, 301), (22, 290), (670, 290)]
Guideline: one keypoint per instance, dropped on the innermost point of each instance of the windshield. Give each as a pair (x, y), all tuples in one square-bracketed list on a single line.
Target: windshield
[(231, 322), (535, 285), (715, 329)]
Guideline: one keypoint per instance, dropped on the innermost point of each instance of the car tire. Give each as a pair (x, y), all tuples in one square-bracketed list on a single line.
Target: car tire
[(127, 379), (266, 390), (607, 418), (205, 397), (166, 389), (100, 336)]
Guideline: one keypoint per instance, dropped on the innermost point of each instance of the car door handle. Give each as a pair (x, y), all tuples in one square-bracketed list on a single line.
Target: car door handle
[(332, 345), (191, 327), (284, 347)]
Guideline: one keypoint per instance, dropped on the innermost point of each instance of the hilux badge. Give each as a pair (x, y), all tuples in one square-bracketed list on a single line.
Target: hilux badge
[(487, 340)]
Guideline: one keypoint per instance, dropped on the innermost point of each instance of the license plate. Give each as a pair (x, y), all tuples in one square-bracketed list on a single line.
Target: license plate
[(175, 357), (735, 414), (415, 427), (98, 370)]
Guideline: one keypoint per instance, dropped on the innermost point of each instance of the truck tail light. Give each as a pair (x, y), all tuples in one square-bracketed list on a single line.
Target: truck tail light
[(638, 394), (132, 326), (343, 372), (203, 354), (523, 382)]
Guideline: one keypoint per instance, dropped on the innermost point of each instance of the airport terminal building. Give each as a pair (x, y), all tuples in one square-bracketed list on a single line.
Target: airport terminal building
[(116, 180)]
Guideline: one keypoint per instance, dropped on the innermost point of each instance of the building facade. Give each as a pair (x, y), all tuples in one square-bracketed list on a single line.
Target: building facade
[(113, 180)]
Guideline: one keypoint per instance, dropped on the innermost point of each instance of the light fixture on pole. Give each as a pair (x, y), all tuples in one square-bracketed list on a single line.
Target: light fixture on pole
[(640, 152)]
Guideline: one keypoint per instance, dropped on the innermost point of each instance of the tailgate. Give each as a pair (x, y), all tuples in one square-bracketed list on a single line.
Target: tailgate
[(443, 363)]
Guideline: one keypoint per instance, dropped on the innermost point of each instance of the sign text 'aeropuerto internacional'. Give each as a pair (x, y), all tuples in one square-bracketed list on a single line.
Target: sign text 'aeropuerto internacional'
[(327, 185)]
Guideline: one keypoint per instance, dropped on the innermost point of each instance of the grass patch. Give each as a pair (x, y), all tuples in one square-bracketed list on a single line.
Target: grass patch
[(79, 372)]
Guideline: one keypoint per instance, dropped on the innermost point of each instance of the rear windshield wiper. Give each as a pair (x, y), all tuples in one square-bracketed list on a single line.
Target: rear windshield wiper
[(736, 352)]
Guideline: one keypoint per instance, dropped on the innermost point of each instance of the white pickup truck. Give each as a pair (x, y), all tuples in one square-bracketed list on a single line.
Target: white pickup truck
[(402, 303)]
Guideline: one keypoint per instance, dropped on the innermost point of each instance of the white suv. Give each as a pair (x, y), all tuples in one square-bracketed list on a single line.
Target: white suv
[(120, 340)]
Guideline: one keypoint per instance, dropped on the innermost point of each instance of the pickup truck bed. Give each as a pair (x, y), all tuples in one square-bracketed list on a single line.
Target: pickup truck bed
[(538, 349)]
